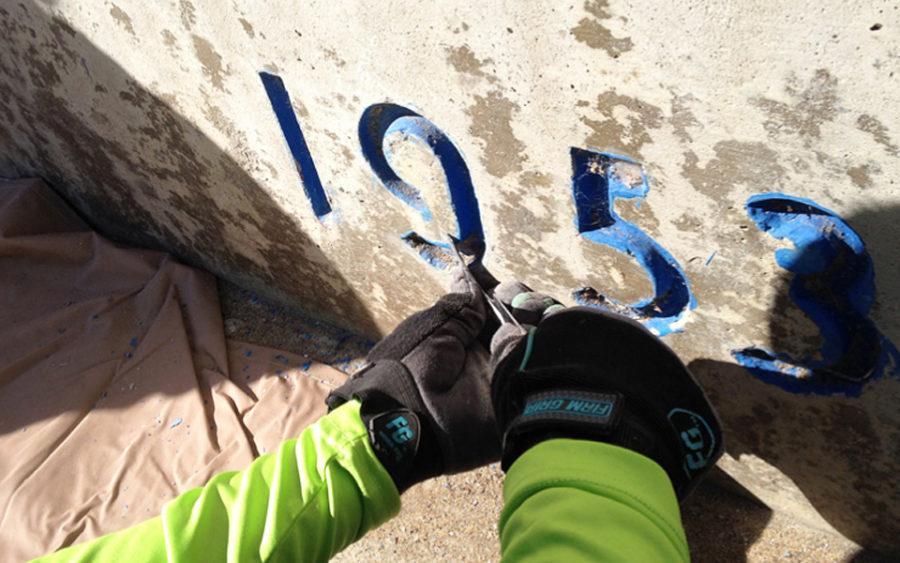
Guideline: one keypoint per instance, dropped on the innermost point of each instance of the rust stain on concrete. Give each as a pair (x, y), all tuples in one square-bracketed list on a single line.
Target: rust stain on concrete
[(492, 117), (594, 34), (463, 60), (871, 125), (809, 107), (122, 18), (628, 137), (210, 60)]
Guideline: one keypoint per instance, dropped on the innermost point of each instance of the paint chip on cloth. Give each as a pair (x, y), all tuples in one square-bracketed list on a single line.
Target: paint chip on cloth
[(118, 388)]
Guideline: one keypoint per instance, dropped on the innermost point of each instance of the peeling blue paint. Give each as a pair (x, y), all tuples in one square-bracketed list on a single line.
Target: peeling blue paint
[(293, 135), (834, 285), (596, 184), (380, 120)]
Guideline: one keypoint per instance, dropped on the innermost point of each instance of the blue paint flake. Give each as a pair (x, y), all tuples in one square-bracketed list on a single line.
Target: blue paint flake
[(710, 258), (248, 353), (341, 341), (306, 365), (175, 423)]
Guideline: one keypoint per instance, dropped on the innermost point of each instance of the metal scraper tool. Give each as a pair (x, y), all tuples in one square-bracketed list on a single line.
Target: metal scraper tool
[(503, 314)]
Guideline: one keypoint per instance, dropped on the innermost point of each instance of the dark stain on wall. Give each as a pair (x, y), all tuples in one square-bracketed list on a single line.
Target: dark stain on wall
[(861, 175), (591, 31), (628, 136), (188, 14), (122, 18), (248, 28), (879, 132), (148, 157), (210, 60), (683, 118), (464, 61), (736, 162), (811, 105), (491, 121)]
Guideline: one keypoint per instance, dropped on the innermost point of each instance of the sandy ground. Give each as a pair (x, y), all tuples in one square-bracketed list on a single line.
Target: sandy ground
[(454, 518)]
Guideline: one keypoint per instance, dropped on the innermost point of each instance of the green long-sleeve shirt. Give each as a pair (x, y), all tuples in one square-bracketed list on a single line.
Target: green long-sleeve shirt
[(564, 500)]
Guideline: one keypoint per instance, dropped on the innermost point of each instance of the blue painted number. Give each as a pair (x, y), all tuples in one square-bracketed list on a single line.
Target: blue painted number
[(293, 135), (598, 179), (378, 121), (834, 284)]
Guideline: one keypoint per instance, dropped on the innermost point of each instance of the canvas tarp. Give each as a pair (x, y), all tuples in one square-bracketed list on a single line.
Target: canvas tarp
[(118, 387)]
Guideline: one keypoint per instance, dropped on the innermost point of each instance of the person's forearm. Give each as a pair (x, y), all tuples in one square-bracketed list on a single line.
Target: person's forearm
[(307, 501), (575, 500)]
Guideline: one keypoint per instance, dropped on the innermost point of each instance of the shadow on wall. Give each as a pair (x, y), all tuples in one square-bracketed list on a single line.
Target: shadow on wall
[(841, 449), (70, 114)]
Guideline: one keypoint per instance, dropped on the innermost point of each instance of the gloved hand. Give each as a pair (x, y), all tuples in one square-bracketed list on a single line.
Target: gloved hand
[(425, 393), (587, 374)]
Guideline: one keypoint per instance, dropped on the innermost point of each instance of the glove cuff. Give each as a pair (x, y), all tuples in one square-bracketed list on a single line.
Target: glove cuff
[(642, 396), (585, 415), (392, 412)]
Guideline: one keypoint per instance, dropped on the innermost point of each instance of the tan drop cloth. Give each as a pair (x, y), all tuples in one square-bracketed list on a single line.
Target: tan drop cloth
[(118, 388)]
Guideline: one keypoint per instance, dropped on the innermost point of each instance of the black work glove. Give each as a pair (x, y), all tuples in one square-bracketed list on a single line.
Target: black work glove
[(425, 393), (587, 374)]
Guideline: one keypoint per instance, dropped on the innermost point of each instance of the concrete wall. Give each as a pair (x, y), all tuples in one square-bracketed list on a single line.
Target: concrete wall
[(156, 124)]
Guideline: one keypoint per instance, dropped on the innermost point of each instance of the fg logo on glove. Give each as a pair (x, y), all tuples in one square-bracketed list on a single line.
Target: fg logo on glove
[(396, 433), (697, 439)]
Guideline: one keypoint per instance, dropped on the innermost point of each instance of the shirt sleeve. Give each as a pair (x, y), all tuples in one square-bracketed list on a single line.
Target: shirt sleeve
[(577, 500), (307, 501)]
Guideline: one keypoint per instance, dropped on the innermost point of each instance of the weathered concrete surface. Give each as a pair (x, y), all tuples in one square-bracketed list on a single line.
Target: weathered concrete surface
[(154, 123)]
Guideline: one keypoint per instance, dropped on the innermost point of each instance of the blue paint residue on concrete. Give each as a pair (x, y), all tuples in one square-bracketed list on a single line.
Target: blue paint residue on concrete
[(834, 285), (293, 134), (380, 120), (595, 187), (435, 253)]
